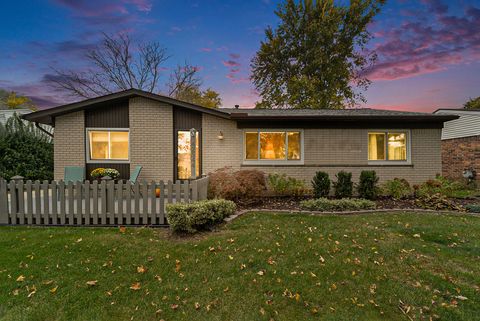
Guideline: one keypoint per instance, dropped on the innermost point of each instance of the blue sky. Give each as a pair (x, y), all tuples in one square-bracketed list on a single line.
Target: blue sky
[(428, 50)]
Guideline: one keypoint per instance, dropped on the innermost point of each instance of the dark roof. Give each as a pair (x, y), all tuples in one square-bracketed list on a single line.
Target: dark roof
[(47, 116), (456, 110), (331, 114), (242, 114)]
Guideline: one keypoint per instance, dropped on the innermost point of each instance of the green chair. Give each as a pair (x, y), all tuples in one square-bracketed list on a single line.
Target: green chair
[(74, 174), (134, 175)]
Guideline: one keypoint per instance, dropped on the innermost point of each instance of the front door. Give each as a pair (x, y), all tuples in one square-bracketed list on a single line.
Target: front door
[(184, 169)]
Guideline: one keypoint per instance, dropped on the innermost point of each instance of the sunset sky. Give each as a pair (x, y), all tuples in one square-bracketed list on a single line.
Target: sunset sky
[(429, 50)]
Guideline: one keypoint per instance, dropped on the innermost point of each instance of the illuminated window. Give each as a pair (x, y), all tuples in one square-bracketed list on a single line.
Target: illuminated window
[(184, 159), (387, 146), (273, 145), (108, 145)]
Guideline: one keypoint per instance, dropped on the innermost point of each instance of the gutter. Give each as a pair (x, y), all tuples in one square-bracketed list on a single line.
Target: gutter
[(43, 129)]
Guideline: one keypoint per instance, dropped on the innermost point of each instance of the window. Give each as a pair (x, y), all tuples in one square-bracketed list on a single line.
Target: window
[(108, 145), (387, 146), (273, 145), (184, 155)]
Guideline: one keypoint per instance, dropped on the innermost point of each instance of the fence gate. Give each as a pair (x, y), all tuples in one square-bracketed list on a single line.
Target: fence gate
[(104, 203)]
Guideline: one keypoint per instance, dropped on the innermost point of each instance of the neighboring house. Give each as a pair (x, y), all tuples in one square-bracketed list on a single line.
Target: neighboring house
[(460, 142), (133, 127), (5, 114)]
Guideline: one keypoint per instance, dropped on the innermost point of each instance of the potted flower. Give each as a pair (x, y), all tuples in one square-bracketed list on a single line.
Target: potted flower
[(98, 173)]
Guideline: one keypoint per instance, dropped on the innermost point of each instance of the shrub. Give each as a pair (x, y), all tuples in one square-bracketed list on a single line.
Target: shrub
[(196, 216), (281, 184), (343, 186), (397, 188), (321, 184), (435, 202), (444, 186), (25, 151), (236, 185), (344, 204), (367, 186), (474, 208)]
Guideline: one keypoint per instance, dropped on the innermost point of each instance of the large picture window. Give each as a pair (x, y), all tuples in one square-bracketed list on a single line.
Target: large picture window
[(273, 145), (108, 145), (388, 146)]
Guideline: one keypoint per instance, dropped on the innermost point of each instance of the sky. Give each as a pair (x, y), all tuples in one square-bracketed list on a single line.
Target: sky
[(428, 50)]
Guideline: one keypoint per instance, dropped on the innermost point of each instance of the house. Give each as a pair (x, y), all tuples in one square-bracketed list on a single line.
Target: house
[(133, 127), (460, 143)]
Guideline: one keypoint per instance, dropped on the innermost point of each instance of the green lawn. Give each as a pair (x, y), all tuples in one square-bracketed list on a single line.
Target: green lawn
[(259, 267)]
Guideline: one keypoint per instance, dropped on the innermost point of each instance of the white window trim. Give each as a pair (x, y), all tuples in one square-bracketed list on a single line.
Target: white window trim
[(107, 161), (285, 161), (408, 161)]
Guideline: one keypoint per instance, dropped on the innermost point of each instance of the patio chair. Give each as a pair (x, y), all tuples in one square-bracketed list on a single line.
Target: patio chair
[(134, 177), (74, 174)]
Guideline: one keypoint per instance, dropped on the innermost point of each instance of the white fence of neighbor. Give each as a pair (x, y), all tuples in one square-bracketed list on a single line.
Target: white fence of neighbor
[(93, 203)]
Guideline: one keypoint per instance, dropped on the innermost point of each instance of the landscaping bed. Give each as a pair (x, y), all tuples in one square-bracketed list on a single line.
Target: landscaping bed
[(261, 266)]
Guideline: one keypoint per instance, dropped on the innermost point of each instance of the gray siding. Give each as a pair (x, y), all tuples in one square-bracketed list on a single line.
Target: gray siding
[(467, 125)]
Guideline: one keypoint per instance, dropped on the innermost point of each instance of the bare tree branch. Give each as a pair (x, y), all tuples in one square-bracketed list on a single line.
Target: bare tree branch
[(183, 79), (116, 66)]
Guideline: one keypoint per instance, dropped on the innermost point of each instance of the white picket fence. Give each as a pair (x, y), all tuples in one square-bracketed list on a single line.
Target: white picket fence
[(104, 203)]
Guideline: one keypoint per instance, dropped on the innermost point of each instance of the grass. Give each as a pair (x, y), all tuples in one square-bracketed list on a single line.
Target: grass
[(260, 267)]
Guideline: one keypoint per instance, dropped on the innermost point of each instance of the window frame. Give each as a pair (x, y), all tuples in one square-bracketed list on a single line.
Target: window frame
[(407, 161), (285, 161), (89, 160)]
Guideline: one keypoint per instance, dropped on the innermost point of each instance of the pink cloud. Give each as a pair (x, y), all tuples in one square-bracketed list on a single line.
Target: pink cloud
[(231, 63), (206, 49)]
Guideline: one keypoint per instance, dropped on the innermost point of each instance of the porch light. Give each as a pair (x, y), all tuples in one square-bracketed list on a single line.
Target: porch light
[(220, 136)]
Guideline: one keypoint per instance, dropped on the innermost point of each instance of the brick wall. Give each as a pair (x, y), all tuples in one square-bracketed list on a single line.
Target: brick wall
[(459, 154), (329, 150), (69, 142), (151, 138)]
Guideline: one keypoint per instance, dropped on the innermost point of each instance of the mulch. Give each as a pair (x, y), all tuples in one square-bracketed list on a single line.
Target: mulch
[(293, 203)]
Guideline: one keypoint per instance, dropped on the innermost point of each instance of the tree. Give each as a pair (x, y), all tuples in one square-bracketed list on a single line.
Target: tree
[(118, 65), (316, 57), (12, 100), (472, 103), (184, 84)]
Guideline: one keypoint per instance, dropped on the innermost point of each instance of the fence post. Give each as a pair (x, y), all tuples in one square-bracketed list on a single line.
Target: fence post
[(106, 179), (3, 202), (17, 179)]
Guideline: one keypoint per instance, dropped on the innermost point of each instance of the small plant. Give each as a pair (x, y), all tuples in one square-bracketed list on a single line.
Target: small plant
[(343, 186), (474, 208), (368, 185), (321, 184), (344, 204), (236, 185), (444, 186), (281, 184), (397, 188), (101, 172), (196, 216), (436, 202)]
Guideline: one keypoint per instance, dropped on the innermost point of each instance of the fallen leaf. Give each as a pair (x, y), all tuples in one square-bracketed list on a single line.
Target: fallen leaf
[(21, 278), (197, 305), (260, 273), (141, 269), (122, 229), (79, 240), (174, 306), (178, 266), (416, 235), (136, 286), (92, 283), (47, 282), (53, 290)]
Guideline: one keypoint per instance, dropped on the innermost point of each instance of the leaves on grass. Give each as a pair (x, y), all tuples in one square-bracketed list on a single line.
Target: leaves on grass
[(21, 278), (141, 269), (135, 286), (92, 283), (53, 290)]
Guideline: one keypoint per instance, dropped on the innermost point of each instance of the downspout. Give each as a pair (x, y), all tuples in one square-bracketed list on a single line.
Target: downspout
[(43, 130)]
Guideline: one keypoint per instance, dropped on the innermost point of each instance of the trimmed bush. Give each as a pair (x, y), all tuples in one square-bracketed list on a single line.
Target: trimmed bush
[(281, 184), (368, 185), (197, 216), (343, 186), (474, 208), (344, 204), (321, 184), (397, 188), (236, 185)]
